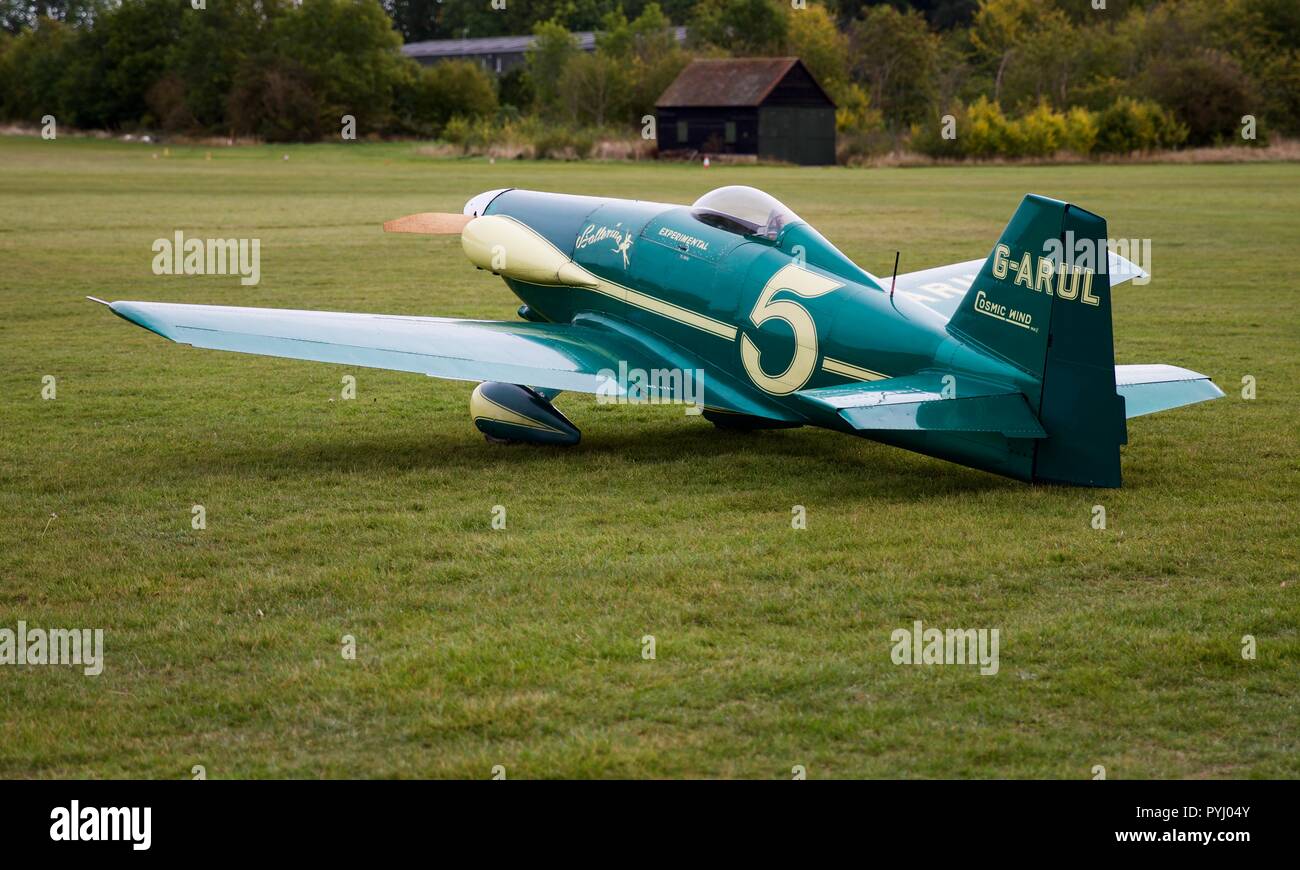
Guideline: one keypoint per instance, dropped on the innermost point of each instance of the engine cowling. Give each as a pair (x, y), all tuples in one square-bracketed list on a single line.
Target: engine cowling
[(509, 413), (506, 247)]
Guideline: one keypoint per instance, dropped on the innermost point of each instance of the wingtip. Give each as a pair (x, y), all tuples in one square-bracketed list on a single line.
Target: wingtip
[(100, 301)]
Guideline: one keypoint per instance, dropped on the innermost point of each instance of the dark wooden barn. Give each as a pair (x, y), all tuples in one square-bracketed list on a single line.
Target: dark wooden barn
[(768, 106)]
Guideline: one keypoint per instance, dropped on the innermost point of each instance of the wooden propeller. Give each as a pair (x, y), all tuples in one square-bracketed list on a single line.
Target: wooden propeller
[(433, 223)]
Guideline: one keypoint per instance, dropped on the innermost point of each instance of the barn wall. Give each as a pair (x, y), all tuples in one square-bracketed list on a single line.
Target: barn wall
[(707, 128), (797, 134)]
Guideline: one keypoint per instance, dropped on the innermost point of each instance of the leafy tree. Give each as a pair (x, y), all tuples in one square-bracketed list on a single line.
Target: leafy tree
[(31, 72), (1052, 55), (657, 59), (633, 63), (674, 10), (592, 88), (205, 59), (460, 19), (1082, 11), (742, 27), (1279, 90), (114, 64), (515, 89), (19, 15), (272, 97), (814, 38), (418, 20), (896, 54), (346, 52), (86, 97), (435, 94), (999, 32), (652, 34), (554, 47), (614, 39), (1207, 89), (941, 14)]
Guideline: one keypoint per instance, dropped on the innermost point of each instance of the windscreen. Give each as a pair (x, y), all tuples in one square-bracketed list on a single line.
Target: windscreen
[(744, 210)]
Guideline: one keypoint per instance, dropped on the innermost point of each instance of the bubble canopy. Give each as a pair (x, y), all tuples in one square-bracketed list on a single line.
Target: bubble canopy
[(744, 210)]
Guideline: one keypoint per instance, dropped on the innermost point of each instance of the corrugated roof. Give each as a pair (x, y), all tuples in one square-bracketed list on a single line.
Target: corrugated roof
[(498, 45), (726, 82)]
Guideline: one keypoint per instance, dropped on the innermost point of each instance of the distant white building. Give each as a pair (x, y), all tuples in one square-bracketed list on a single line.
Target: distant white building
[(497, 54)]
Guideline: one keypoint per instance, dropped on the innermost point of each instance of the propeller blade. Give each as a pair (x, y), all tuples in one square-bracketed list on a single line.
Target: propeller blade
[(434, 223)]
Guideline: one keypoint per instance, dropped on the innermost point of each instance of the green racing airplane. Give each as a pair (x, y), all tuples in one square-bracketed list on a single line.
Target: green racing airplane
[(1004, 363)]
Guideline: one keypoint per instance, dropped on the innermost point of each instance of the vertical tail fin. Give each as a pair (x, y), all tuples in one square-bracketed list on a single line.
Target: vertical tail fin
[(1042, 303)]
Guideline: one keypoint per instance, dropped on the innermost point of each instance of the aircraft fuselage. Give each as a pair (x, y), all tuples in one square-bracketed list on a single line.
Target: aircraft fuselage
[(777, 315)]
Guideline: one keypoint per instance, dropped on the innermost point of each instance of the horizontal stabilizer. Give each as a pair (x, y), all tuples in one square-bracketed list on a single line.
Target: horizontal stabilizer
[(930, 402), (1150, 388)]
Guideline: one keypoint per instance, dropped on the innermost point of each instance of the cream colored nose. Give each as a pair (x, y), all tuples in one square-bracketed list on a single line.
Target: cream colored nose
[(506, 247)]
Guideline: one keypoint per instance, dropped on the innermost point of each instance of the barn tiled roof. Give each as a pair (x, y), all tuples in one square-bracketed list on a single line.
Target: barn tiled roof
[(726, 82)]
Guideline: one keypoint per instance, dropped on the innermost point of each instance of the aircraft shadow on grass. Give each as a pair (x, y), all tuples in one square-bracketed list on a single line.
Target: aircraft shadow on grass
[(793, 462)]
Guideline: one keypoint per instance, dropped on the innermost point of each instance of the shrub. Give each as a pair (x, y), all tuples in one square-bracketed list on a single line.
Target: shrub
[(984, 131), (563, 143), (1042, 131), (856, 146), (273, 99), (928, 138), (1206, 90), (988, 133), (855, 114), (1129, 125), (1080, 134), (473, 135), (431, 96)]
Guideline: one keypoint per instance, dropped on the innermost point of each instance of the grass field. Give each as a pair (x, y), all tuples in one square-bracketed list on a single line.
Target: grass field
[(522, 647)]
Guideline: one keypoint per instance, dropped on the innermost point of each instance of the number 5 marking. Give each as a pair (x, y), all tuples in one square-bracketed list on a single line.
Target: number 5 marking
[(800, 282)]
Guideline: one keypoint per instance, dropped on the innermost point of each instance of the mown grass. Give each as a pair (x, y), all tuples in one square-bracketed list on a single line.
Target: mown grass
[(522, 647)]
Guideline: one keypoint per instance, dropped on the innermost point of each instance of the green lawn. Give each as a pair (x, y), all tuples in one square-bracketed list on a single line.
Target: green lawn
[(522, 647)]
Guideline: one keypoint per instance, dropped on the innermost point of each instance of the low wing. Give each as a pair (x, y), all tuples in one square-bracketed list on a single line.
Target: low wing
[(551, 357), (925, 402), (546, 355), (1150, 388), (940, 289)]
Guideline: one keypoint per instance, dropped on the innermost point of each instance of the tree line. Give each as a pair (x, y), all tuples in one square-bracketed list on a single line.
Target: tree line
[(949, 77), (274, 69)]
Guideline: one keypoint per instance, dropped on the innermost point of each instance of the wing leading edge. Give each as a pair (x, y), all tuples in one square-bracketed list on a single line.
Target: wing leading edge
[(554, 357), (537, 354)]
